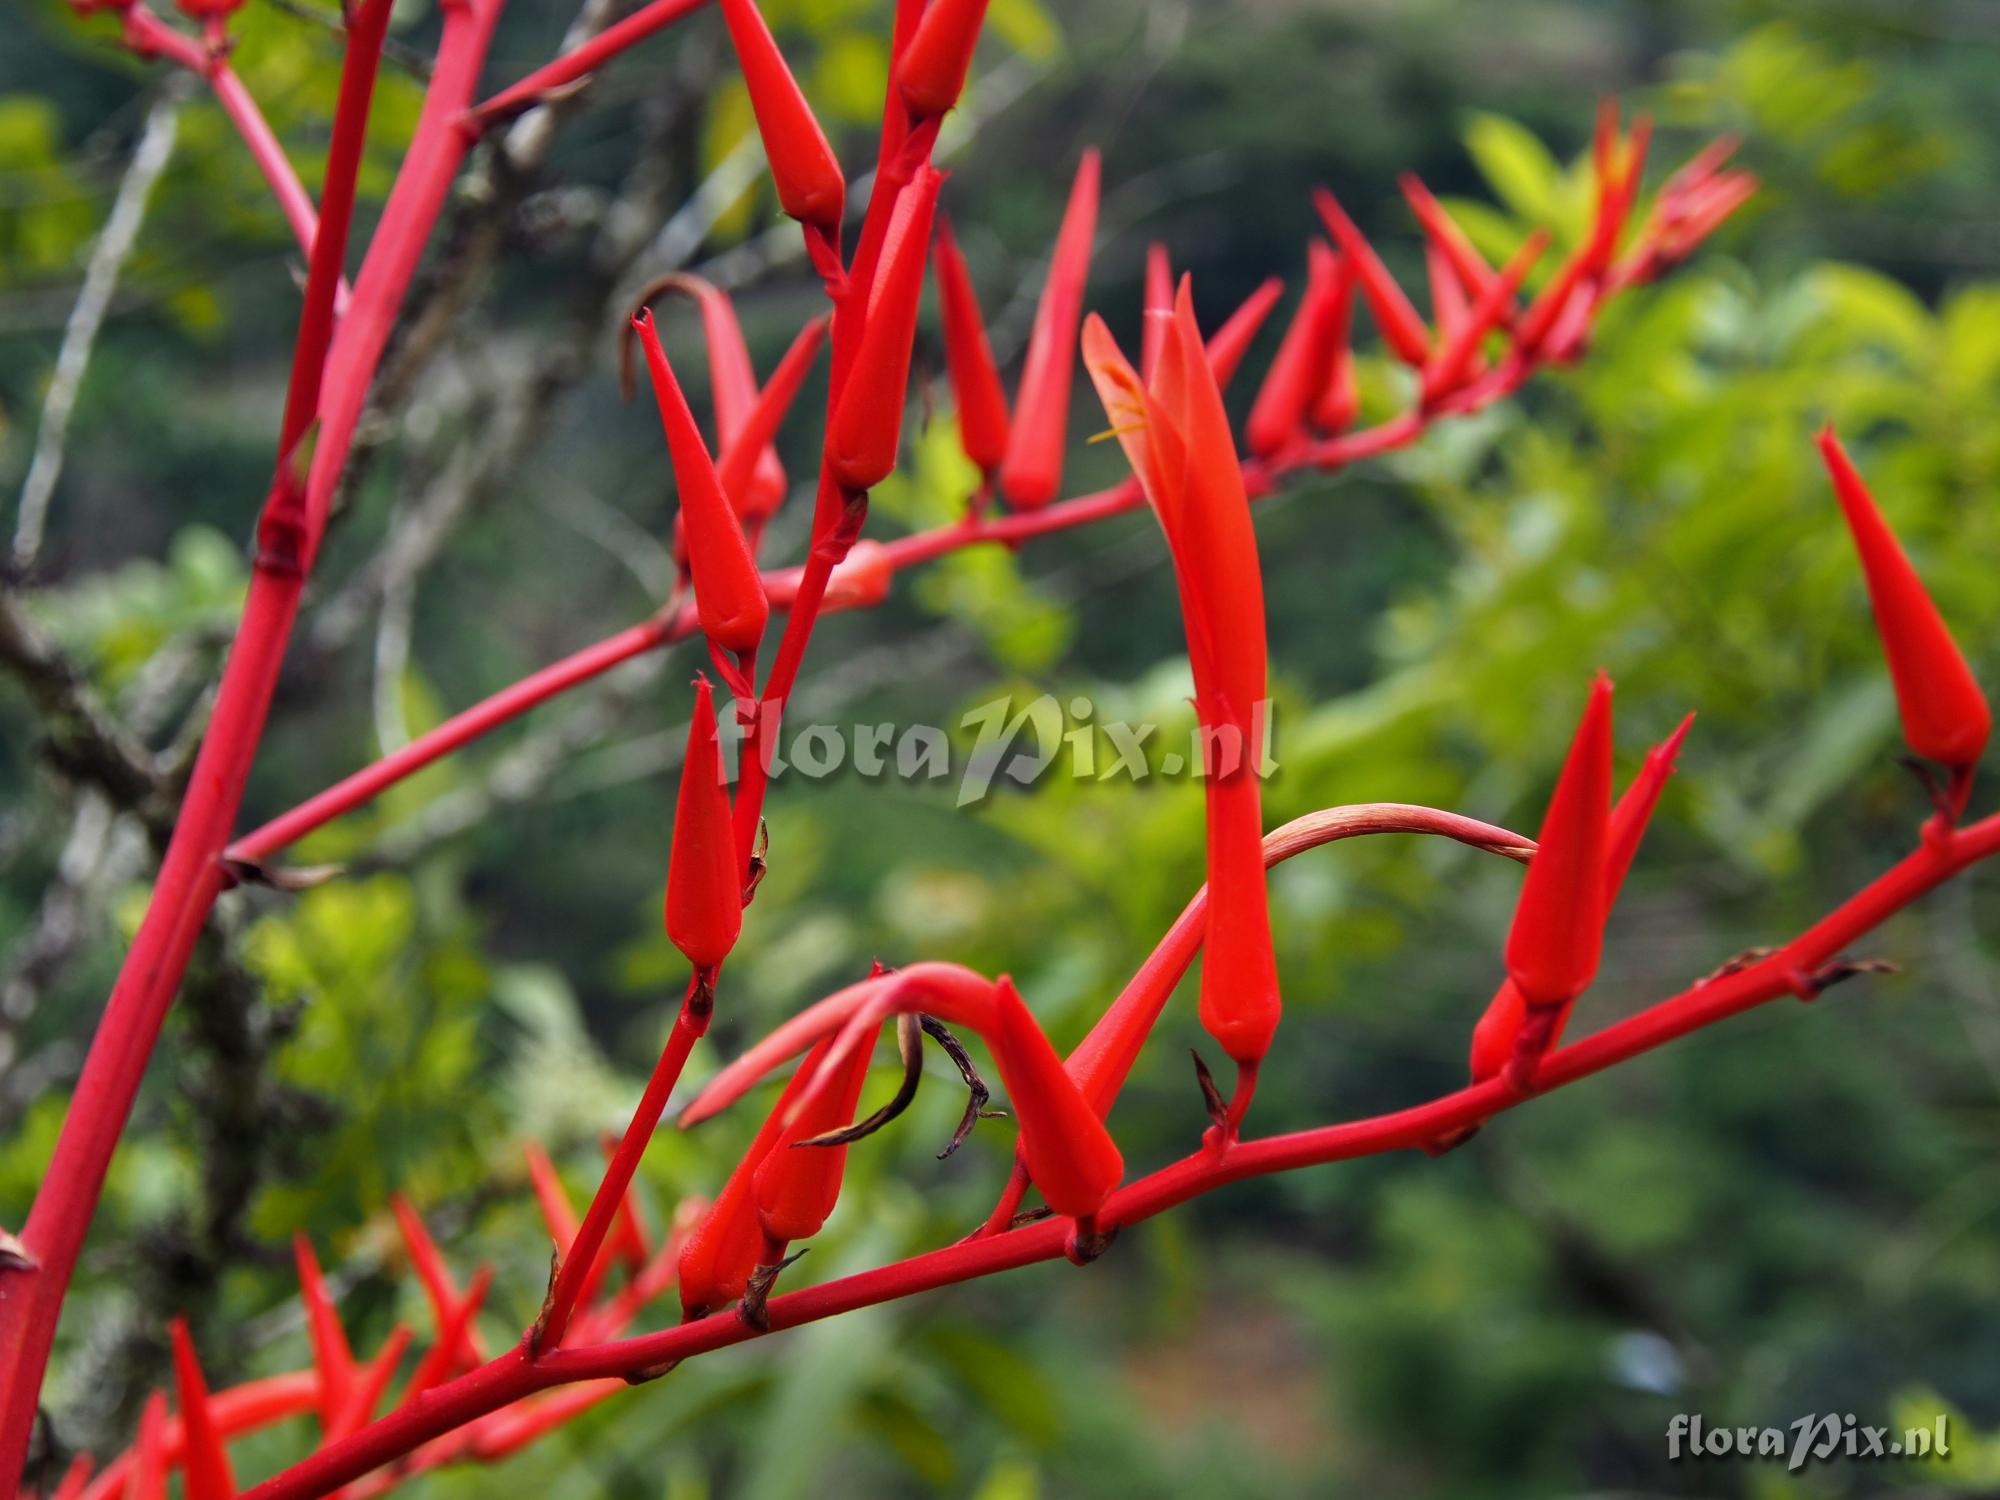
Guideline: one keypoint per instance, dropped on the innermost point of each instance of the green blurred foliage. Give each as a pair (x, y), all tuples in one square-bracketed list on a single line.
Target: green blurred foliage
[(1792, 1214)]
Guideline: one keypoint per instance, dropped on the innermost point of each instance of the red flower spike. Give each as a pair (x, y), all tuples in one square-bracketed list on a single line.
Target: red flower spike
[(1443, 232), (975, 382), (439, 1288), (1075, 1162), (1558, 931), (1298, 372), (867, 427), (1031, 474), (204, 1461), (743, 456), (332, 1356), (796, 1187), (1455, 363), (1339, 402), (1159, 307), (803, 167), (1232, 340), (704, 881), (1176, 435), (728, 591), (1402, 329), (931, 72), (149, 1467), (1945, 715)]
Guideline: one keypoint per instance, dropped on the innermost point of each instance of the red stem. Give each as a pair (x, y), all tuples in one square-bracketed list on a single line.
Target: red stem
[(579, 62), (513, 1375)]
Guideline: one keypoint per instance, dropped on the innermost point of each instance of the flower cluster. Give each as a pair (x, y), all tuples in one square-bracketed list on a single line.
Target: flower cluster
[(405, 1408)]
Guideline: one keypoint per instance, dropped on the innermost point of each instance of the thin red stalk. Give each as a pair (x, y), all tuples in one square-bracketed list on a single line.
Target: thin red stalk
[(270, 157), (191, 871), (580, 61), (513, 1376)]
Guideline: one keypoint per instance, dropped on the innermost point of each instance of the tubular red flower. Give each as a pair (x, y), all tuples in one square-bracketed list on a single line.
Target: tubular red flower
[(743, 456), (551, 1197), (1232, 340), (432, 1273), (1443, 232), (1401, 327), (372, 1381), (1454, 364), (1075, 1162), (732, 383), (75, 1477), (932, 70), (1176, 436), (868, 419), (1558, 930), (1298, 372), (332, 1356), (861, 579), (729, 592), (149, 1468), (1945, 715), (204, 1461), (975, 382), (1449, 306), (1031, 474), (1338, 401), (803, 166), (1158, 309), (704, 880), (797, 1186), (439, 1358)]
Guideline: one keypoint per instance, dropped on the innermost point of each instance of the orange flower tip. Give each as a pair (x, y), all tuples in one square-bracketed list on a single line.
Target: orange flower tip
[(1031, 473), (803, 167), (932, 70), (1946, 717), (704, 906), (1557, 935)]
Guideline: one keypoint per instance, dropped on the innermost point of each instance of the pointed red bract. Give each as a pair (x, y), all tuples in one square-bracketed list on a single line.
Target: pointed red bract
[(704, 879), (1339, 400), (1558, 931), (1444, 233), (1945, 716), (332, 1356), (438, 1360), (1402, 329), (428, 1262), (932, 69), (149, 1462), (1299, 370), (796, 1187), (975, 381), (743, 456), (867, 428), (733, 384), (1449, 304), (204, 1461), (803, 166), (1455, 361), (1031, 474), (1232, 340), (728, 591), (551, 1197)]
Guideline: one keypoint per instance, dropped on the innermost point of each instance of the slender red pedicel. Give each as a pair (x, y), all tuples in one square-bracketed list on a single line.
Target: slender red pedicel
[(1402, 329), (1298, 372), (931, 72), (1558, 931), (204, 1461), (743, 456), (728, 590), (1031, 474), (333, 1358), (704, 879), (796, 1187), (975, 381), (1945, 715), (803, 166), (867, 427)]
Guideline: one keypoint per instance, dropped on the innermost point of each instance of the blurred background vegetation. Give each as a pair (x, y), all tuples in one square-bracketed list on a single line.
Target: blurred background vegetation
[(1795, 1213)]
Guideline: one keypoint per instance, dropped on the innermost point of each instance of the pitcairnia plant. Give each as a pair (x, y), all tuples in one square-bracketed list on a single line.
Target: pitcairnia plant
[(413, 1403)]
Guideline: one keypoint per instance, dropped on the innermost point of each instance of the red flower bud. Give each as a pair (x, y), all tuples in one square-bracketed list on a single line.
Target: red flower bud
[(1075, 1162), (1176, 435), (551, 1197), (333, 1359), (1298, 372), (204, 1461), (733, 384), (803, 167), (149, 1460), (452, 1335), (435, 1277), (1455, 361), (982, 404), (1443, 232), (1338, 402), (1158, 309), (797, 1186), (1945, 716), (729, 593), (75, 1478), (1031, 474), (1558, 930), (1401, 328), (704, 880), (1449, 307), (932, 69), (861, 579), (868, 420), (1232, 340), (743, 455)]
